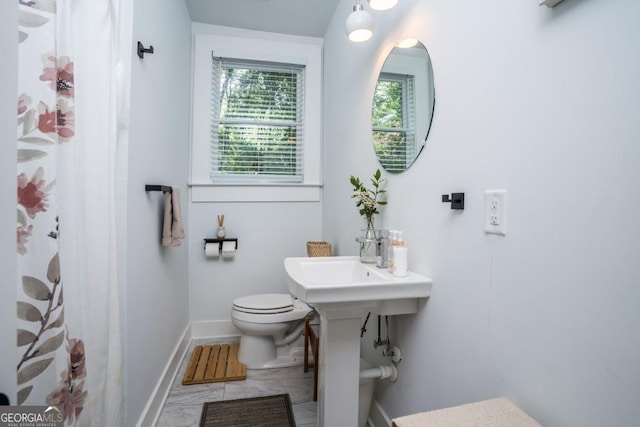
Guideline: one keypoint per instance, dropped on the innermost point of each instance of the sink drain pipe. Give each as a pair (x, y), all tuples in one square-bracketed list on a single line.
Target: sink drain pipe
[(381, 372)]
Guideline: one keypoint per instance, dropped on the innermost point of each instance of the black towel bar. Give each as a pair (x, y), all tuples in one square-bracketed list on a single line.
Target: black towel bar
[(163, 188)]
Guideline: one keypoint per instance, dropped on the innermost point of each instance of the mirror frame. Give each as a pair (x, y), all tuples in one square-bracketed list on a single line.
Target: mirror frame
[(404, 68)]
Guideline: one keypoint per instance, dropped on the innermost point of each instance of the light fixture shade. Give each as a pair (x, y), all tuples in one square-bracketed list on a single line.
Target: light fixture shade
[(382, 4), (359, 24)]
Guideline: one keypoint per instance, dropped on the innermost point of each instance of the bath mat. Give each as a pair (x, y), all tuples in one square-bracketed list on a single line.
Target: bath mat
[(265, 411), (214, 363)]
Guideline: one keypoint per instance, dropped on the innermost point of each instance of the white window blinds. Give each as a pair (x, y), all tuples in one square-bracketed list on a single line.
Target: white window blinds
[(257, 126), (394, 121)]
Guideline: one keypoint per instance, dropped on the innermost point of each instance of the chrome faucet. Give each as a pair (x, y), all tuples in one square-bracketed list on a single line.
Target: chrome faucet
[(382, 247)]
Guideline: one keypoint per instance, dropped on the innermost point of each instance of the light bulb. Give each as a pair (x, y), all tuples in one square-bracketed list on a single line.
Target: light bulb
[(382, 4), (360, 35)]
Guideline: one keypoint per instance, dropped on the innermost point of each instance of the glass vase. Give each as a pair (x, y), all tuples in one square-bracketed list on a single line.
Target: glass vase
[(368, 242)]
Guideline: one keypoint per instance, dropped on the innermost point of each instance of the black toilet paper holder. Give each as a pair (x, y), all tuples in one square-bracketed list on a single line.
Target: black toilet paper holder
[(220, 241)]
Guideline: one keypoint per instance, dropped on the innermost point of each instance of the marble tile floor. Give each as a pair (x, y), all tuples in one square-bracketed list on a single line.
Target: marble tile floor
[(183, 406)]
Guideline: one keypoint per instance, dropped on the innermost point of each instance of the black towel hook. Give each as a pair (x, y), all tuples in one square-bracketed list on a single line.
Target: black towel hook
[(456, 200), (142, 50)]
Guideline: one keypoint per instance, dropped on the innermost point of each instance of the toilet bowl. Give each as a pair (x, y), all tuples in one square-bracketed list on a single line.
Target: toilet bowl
[(270, 326)]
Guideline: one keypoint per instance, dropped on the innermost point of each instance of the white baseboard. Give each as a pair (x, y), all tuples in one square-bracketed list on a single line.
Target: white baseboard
[(152, 410), (377, 416), (213, 329), (194, 331)]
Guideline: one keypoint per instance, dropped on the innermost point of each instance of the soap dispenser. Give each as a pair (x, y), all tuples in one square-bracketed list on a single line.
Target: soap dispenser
[(397, 254), (395, 239), (392, 238), (400, 255)]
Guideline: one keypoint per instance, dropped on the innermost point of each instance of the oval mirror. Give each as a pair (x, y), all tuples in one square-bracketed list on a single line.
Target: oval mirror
[(402, 107)]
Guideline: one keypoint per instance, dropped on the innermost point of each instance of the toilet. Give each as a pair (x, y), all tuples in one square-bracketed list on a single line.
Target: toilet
[(270, 326)]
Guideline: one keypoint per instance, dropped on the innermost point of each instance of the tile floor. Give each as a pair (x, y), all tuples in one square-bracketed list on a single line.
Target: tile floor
[(183, 406)]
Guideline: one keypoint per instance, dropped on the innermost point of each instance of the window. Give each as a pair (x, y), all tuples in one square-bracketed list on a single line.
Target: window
[(393, 120), (257, 124), (256, 118)]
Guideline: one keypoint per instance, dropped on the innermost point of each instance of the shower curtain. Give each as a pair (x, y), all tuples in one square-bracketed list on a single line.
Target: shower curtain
[(68, 337)]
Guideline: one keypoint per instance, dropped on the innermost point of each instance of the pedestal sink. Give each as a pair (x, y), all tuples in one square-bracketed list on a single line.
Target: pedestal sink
[(343, 290)]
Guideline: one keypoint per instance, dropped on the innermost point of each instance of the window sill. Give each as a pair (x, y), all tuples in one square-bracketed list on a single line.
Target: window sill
[(203, 193)]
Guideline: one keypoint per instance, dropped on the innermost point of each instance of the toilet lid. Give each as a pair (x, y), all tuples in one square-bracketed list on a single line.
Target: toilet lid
[(264, 303)]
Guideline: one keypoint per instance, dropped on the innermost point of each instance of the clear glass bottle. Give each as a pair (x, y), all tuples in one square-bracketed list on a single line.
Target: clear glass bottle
[(368, 242)]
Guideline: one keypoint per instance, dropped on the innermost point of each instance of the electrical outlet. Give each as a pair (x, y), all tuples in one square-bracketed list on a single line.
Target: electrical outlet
[(495, 217)]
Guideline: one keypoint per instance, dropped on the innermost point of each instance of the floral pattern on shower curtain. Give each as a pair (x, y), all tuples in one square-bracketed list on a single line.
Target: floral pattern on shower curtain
[(68, 337)]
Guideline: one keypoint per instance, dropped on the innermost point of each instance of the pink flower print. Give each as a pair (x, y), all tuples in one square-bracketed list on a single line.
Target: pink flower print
[(58, 71), (23, 232), (78, 370), (69, 397), (46, 119), (60, 121), (65, 120), (32, 194), (24, 101)]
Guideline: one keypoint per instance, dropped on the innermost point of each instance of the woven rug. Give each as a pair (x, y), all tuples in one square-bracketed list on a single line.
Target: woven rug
[(265, 411)]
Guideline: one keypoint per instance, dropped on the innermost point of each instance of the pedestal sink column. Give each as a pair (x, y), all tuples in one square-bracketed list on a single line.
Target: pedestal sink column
[(339, 369)]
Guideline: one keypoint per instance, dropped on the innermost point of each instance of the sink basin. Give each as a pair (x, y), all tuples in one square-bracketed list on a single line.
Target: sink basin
[(318, 280)]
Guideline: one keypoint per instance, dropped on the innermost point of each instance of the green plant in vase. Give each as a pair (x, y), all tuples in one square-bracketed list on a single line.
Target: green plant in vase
[(367, 201)]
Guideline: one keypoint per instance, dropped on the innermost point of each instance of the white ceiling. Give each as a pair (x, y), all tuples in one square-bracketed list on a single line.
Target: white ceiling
[(297, 17)]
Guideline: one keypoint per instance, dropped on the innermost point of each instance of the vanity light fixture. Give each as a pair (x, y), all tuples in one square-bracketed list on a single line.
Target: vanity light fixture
[(406, 43), (382, 4), (359, 24)]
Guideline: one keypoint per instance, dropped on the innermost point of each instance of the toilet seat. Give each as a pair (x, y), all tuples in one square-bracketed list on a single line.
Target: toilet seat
[(269, 309), (264, 304)]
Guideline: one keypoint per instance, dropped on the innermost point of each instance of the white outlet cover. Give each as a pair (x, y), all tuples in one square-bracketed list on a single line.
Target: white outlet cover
[(495, 212)]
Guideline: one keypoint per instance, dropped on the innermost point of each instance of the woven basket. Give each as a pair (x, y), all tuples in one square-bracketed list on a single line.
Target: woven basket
[(318, 249)]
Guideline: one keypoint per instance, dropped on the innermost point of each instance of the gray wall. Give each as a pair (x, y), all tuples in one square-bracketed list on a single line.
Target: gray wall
[(156, 294), (8, 173), (542, 102)]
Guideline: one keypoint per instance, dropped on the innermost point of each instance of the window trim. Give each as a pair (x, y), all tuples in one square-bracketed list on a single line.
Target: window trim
[(304, 51)]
